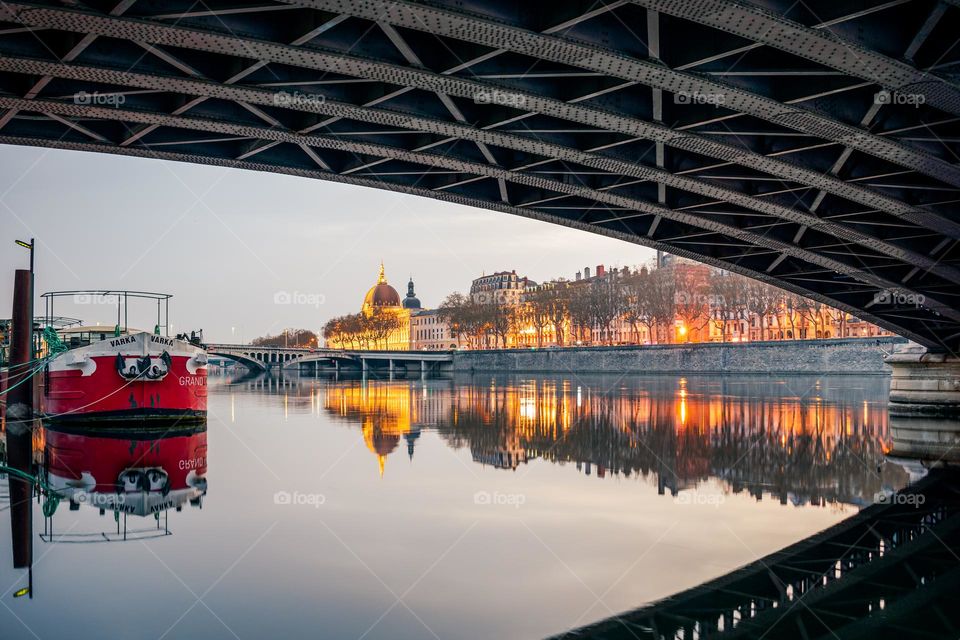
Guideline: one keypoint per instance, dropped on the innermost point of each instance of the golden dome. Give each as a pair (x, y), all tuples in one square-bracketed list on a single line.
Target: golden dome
[(381, 294)]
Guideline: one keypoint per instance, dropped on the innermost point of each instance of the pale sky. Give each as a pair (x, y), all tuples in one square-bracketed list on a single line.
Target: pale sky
[(226, 242)]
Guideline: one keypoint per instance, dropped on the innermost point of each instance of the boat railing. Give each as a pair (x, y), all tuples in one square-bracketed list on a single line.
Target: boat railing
[(122, 298)]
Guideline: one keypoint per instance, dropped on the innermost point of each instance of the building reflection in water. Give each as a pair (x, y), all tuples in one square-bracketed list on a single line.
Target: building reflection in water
[(802, 439), (386, 413)]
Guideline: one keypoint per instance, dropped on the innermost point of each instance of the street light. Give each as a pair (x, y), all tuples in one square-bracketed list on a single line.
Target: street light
[(27, 245)]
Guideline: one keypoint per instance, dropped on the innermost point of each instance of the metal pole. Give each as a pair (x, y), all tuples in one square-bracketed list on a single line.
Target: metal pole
[(20, 418)]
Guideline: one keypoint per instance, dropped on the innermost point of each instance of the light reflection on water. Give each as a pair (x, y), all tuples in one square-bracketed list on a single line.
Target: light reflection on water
[(476, 507)]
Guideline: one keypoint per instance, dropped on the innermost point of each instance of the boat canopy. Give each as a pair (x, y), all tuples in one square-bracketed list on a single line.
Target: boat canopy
[(120, 297)]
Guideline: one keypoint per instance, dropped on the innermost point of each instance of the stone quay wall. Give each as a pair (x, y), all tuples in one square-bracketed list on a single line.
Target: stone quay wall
[(860, 356)]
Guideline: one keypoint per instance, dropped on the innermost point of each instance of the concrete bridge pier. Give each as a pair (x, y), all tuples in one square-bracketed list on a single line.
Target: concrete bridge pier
[(925, 405)]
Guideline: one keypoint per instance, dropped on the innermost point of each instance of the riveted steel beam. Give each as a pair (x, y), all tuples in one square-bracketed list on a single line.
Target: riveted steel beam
[(823, 47), (247, 96), (469, 28), (404, 76), (62, 109)]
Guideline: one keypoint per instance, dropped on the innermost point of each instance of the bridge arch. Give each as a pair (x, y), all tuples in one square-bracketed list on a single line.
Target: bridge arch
[(248, 360), (842, 200)]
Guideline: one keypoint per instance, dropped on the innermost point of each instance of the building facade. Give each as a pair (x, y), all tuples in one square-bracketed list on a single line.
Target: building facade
[(502, 287), (387, 322), (430, 332), (669, 302)]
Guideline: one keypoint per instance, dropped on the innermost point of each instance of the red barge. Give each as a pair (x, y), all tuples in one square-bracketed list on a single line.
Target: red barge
[(124, 375)]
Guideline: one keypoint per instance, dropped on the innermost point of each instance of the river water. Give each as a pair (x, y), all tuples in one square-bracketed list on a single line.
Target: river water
[(477, 507)]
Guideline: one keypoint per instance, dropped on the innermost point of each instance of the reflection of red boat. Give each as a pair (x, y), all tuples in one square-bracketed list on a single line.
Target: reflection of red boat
[(137, 473), (122, 375)]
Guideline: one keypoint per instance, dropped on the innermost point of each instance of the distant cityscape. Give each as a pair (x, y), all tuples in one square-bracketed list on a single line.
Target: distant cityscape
[(668, 301)]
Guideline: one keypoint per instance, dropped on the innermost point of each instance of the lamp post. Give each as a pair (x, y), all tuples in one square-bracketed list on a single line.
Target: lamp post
[(27, 245)]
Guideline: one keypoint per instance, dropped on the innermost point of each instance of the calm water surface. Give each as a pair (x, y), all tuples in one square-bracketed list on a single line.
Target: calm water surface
[(478, 507)]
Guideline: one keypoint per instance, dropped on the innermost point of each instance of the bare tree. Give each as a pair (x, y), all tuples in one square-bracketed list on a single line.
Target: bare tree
[(380, 325), (605, 300), (500, 322), (353, 327), (661, 303), (727, 300), (581, 315), (636, 301), (535, 311), (691, 299), (763, 302), (811, 313), (455, 311), (289, 338), (795, 306), (557, 302)]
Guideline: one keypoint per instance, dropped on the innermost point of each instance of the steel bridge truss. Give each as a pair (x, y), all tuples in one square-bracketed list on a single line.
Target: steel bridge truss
[(889, 572), (810, 145)]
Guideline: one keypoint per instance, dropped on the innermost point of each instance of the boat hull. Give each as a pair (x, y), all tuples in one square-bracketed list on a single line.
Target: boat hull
[(127, 379)]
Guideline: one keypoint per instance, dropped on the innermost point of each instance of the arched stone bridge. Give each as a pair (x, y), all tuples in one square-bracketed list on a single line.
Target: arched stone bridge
[(257, 358), (812, 145)]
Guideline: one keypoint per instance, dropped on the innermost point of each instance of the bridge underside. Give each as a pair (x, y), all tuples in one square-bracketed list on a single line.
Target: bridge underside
[(810, 145), (888, 572), (252, 364)]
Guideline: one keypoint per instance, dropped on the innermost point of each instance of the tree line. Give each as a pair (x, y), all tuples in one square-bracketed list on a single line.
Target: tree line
[(360, 330), (288, 338), (653, 302)]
